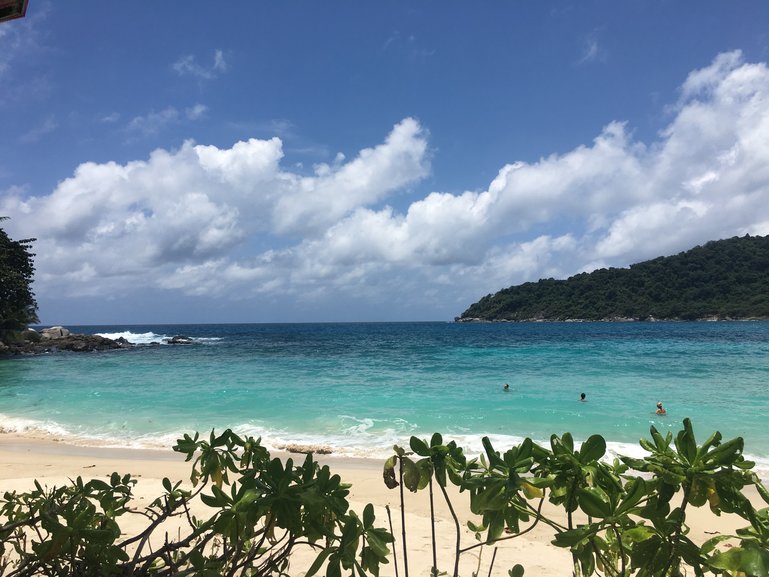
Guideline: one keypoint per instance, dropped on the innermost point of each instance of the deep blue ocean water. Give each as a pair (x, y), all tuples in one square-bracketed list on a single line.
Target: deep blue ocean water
[(359, 388)]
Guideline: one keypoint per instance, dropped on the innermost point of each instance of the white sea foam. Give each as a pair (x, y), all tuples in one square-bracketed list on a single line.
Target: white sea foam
[(149, 338), (356, 441), (135, 338), (31, 427)]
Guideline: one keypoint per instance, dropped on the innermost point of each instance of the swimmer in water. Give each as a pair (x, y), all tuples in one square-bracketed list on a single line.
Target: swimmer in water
[(661, 410)]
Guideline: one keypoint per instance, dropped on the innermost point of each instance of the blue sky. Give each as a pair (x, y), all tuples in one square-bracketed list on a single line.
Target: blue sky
[(342, 161)]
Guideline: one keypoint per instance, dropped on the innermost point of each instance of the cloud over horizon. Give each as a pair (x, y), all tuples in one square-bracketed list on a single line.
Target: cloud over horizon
[(236, 223)]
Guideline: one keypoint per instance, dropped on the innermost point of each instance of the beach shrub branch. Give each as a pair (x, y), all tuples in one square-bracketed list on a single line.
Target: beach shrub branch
[(620, 517), (261, 511)]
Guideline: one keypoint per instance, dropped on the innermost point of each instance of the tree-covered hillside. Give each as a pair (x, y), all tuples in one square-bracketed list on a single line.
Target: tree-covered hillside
[(722, 279)]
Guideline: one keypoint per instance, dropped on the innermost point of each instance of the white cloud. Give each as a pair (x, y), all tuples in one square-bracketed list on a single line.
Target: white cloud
[(156, 121), (235, 223), (591, 50), (196, 112), (187, 65)]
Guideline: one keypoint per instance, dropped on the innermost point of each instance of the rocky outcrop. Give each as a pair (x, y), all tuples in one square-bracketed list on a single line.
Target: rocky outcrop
[(179, 340), (54, 333), (56, 339)]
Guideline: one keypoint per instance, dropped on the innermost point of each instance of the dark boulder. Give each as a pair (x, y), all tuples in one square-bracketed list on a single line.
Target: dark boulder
[(179, 340)]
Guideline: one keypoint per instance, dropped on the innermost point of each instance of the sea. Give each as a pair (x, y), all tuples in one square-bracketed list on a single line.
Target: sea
[(358, 389)]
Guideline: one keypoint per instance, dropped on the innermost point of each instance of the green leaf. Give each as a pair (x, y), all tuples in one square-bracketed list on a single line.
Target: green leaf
[(638, 533), (419, 447), (491, 454), (594, 502), (762, 490), (378, 541), (725, 454), (411, 474), (751, 561), (572, 537), (516, 571), (248, 497), (713, 441), (709, 546), (368, 515), (592, 449), (425, 467), (686, 445), (334, 568), (635, 490), (587, 560), (209, 500)]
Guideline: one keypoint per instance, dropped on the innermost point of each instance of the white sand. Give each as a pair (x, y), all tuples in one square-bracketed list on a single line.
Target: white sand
[(23, 459)]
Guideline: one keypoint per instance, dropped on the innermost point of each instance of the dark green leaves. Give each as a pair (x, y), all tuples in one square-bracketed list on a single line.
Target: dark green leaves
[(260, 510), (18, 307)]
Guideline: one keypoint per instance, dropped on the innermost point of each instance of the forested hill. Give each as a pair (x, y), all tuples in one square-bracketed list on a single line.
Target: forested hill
[(724, 279)]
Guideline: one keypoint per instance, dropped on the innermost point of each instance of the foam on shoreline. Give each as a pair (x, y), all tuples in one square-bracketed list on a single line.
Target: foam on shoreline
[(376, 449)]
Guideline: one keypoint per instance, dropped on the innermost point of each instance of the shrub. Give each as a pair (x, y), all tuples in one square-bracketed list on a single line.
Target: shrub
[(264, 509)]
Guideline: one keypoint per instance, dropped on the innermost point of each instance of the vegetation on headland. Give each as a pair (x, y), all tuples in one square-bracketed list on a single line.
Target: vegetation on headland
[(18, 308), (627, 517), (725, 279)]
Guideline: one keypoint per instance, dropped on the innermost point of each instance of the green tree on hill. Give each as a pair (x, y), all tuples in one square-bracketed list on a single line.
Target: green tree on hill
[(18, 307), (721, 279)]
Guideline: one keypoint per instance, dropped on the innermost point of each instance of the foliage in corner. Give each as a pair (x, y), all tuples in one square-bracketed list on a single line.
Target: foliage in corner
[(18, 307), (263, 510), (617, 519)]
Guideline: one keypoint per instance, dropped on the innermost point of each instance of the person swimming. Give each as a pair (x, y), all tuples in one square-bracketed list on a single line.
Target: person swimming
[(506, 387), (661, 410), (583, 397)]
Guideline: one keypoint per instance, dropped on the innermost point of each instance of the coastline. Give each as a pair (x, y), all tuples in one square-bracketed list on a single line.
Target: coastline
[(24, 459)]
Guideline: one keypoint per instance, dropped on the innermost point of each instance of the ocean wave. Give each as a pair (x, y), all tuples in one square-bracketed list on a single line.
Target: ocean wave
[(135, 338), (150, 338)]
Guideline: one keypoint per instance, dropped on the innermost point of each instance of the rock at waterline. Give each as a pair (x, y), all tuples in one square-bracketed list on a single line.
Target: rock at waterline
[(57, 339), (179, 340)]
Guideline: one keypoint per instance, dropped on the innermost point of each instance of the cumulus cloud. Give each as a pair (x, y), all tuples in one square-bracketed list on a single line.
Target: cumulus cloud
[(235, 223)]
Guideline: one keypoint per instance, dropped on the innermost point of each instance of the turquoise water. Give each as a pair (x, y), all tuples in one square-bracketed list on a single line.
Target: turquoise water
[(359, 388)]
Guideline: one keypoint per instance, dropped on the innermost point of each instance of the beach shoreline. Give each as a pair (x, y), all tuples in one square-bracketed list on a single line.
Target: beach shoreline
[(24, 459)]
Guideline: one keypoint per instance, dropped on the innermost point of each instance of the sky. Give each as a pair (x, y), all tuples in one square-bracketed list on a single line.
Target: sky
[(370, 161)]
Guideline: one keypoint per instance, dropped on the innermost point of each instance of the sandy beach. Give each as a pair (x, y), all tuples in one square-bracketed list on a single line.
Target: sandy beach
[(23, 459)]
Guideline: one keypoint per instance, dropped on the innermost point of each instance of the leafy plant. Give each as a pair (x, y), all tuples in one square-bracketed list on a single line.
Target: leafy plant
[(18, 307), (263, 510), (619, 518)]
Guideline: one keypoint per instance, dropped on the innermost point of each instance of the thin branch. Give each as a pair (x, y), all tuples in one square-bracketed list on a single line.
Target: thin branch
[(493, 557), (432, 527), (395, 556), (456, 525), (403, 521)]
